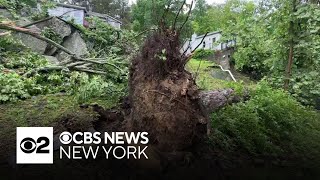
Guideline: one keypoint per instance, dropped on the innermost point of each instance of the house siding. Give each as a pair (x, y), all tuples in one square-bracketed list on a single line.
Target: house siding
[(210, 42), (69, 14)]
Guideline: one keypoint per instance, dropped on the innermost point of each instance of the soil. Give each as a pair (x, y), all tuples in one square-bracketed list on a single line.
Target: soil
[(164, 96)]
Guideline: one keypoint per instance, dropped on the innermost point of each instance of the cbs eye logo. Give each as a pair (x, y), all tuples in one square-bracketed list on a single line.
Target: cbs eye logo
[(29, 145), (65, 137), (34, 145)]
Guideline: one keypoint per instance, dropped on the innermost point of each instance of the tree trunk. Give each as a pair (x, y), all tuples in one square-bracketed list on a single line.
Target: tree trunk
[(291, 46)]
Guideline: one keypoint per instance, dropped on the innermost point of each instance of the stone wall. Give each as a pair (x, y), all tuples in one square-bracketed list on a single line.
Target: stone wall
[(71, 38)]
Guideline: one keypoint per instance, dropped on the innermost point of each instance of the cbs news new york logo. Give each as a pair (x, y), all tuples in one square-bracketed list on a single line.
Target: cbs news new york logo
[(34, 145)]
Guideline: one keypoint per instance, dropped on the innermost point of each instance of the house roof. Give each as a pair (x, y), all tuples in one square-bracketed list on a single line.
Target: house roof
[(90, 13), (103, 16), (72, 6), (209, 34)]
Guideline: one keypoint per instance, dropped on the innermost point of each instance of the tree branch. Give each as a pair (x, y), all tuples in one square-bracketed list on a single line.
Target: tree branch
[(34, 34), (90, 71), (175, 20), (4, 33), (187, 18), (200, 42), (37, 22), (44, 69), (8, 26), (97, 62), (59, 68)]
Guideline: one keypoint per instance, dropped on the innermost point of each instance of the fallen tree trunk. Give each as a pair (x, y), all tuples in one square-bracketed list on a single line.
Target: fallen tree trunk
[(212, 101), (217, 99)]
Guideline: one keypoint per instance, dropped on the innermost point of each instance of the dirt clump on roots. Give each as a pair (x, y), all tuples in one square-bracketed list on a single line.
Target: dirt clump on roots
[(164, 96)]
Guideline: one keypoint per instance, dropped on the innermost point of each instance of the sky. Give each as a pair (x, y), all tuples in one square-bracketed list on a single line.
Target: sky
[(208, 1)]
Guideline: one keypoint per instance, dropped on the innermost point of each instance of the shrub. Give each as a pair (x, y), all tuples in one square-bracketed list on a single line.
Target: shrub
[(270, 123), (12, 87), (84, 87), (202, 53)]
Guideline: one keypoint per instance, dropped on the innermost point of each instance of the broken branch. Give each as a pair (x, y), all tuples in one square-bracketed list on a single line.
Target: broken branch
[(44, 69), (175, 20), (200, 42), (37, 35), (37, 22), (97, 62), (187, 18), (59, 68), (90, 71), (4, 33)]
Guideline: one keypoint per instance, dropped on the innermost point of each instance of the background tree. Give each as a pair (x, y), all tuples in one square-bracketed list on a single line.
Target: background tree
[(147, 14)]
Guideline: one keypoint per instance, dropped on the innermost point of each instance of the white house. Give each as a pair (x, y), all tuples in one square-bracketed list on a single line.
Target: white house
[(77, 14), (69, 12), (210, 42)]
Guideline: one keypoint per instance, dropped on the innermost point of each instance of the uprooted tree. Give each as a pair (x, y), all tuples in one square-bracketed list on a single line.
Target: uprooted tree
[(164, 96)]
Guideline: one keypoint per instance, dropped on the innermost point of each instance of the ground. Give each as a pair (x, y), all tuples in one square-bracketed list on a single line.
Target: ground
[(206, 82), (45, 111), (56, 109)]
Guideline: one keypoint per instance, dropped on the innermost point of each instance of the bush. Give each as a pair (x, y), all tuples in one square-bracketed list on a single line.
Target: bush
[(84, 88), (103, 40), (12, 87), (202, 53), (270, 123)]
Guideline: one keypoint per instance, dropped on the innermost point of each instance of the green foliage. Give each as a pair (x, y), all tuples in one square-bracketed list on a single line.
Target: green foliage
[(104, 41), (305, 85), (8, 43), (12, 87), (23, 61), (51, 34), (202, 72), (264, 35), (84, 88), (202, 53), (270, 123), (15, 6), (45, 5), (201, 69), (147, 15), (220, 17)]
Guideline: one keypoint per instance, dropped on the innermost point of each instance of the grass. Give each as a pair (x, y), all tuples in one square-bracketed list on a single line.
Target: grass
[(203, 78), (202, 71), (43, 111)]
